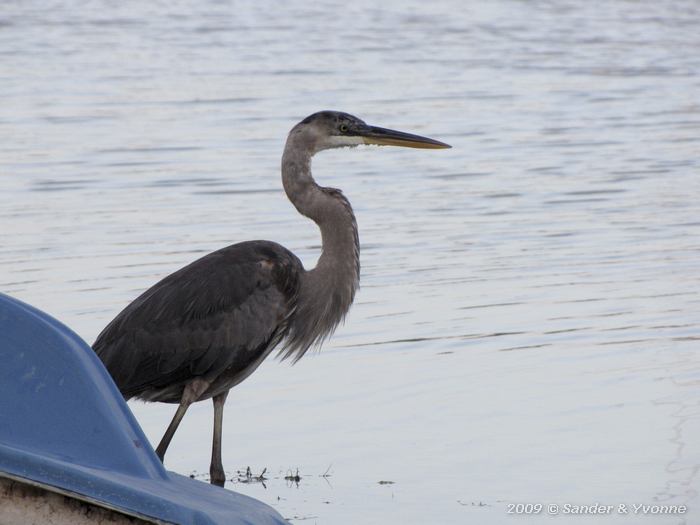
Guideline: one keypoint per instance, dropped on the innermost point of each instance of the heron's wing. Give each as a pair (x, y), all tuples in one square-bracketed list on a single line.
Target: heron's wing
[(218, 313)]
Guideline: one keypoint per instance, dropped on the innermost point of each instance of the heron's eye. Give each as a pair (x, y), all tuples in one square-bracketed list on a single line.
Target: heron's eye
[(343, 128)]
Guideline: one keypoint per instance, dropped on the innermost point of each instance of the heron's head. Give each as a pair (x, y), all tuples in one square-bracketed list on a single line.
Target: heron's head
[(335, 129)]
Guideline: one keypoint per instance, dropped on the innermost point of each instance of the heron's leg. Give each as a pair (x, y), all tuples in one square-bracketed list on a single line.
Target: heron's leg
[(168, 436), (216, 470), (191, 393)]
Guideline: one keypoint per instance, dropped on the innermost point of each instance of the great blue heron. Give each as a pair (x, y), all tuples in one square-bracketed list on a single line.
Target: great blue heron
[(205, 328)]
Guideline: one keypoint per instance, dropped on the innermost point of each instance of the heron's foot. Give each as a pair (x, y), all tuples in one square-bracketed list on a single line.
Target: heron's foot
[(217, 476)]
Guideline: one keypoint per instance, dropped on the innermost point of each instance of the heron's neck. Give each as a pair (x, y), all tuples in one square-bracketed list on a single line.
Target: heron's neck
[(331, 285), (328, 208)]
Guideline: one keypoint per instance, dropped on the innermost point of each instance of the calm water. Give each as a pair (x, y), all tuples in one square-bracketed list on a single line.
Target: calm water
[(529, 319)]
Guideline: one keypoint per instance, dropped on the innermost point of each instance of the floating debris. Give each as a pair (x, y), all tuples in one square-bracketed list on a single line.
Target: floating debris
[(202, 476), (473, 504), (303, 518), (248, 477), (296, 478)]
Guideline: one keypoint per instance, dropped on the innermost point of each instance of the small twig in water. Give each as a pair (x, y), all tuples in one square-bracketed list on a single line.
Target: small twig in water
[(295, 478), (472, 504), (249, 478)]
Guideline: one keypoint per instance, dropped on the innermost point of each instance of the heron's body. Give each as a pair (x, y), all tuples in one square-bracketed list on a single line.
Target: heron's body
[(205, 328), (208, 320)]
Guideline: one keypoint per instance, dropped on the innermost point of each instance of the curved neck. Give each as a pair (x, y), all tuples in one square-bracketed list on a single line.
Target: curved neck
[(328, 290), (327, 207)]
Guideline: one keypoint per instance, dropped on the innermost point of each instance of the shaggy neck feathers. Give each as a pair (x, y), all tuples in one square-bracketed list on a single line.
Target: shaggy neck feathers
[(327, 291)]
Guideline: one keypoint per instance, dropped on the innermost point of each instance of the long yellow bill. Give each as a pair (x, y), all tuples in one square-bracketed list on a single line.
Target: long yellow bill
[(390, 137)]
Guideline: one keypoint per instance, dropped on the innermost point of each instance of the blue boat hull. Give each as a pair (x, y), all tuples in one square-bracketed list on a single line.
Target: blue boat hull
[(65, 428)]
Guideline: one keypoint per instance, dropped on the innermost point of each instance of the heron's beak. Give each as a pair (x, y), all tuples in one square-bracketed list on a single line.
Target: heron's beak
[(390, 137)]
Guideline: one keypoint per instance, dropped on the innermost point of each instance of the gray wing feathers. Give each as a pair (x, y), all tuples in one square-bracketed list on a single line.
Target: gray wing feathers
[(219, 313)]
